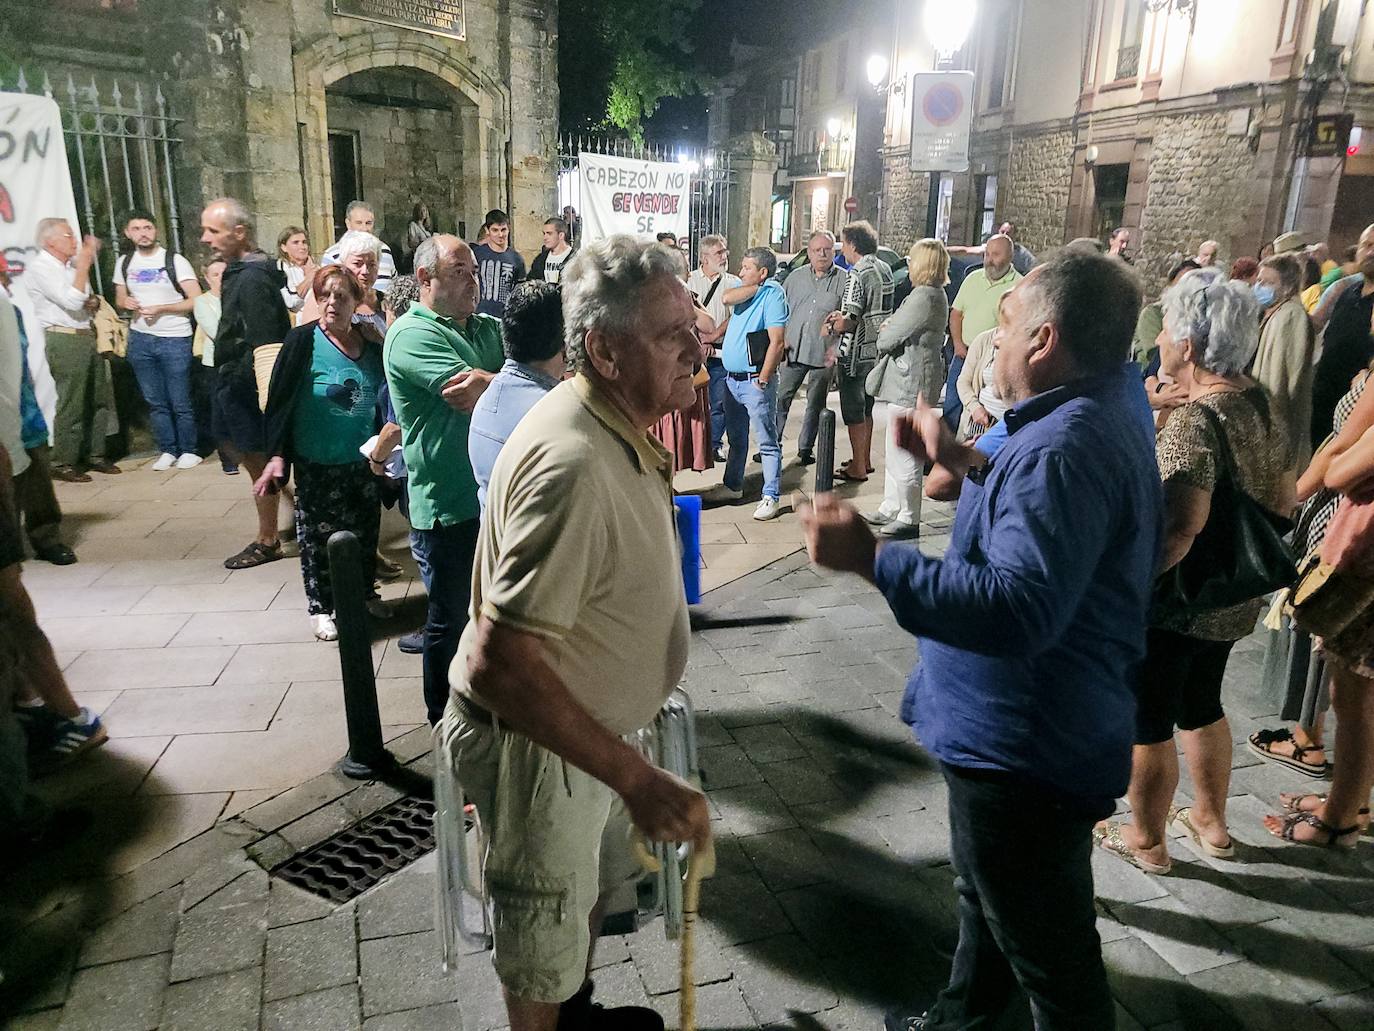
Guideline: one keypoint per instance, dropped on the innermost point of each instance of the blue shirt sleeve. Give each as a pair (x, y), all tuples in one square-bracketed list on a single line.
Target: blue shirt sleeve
[(1049, 525), (774, 308)]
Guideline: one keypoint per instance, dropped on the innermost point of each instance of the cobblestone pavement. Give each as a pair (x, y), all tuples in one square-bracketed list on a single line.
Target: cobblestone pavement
[(833, 898)]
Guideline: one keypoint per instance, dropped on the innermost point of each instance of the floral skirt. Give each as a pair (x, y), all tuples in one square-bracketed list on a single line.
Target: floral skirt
[(330, 498)]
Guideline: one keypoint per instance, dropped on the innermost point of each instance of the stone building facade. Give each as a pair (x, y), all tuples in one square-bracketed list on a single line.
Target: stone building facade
[(291, 106), (1182, 124)]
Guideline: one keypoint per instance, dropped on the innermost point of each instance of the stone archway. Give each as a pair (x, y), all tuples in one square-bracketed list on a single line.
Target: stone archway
[(480, 109)]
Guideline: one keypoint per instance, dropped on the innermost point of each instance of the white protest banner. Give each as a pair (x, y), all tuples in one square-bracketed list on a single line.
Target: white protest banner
[(941, 116), (35, 184), (624, 195)]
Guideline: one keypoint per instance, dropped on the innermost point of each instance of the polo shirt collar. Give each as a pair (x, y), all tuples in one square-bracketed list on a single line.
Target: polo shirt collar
[(444, 320), (1007, 277), (649, 453)]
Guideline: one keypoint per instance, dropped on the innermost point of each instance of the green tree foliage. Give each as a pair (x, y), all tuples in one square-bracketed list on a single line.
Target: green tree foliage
[(619, 58)]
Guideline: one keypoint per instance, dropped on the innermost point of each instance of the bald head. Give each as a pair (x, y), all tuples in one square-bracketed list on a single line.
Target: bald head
[(226, 227), (997, 256), (446, 270)]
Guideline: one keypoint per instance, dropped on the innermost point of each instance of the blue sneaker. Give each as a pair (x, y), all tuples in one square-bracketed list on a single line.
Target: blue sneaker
[(71, 738)]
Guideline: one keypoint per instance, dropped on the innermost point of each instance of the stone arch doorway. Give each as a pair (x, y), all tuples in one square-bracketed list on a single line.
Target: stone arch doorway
[(400, 120)]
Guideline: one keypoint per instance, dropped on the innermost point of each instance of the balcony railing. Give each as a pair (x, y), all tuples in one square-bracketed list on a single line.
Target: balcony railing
[(833, 158)]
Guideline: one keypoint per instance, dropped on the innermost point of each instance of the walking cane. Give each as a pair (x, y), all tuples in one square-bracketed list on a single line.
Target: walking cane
[(700, 865)]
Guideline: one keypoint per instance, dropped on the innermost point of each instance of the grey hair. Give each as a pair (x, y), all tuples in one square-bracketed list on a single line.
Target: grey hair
[(355, 241), (359, 205), (1093, 300), (764, 258), (1219, 317), (711, 240), (427, 255), (236, 213), (602, 287), (404, 291), (821, 232), (48, 228)]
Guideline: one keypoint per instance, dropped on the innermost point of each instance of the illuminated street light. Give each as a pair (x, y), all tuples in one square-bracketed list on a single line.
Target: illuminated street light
[(877, 70), (832, 128), (948, 25)]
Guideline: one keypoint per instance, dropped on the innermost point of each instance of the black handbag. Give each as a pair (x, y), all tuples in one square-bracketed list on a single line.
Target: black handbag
[(1239, 555)]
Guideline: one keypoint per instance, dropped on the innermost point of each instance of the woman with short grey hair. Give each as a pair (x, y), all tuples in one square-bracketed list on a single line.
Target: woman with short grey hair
[(1211, 332), (361, 253)]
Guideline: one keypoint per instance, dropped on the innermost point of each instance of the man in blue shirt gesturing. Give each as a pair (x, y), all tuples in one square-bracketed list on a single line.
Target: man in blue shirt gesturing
[(1029, 628)]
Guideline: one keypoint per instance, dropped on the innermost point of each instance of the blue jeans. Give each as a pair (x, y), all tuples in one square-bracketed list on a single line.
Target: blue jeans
[(420, 553), (162, 366), (954, 408), (749, 406), (715, 392), (1026, 918), (449, 551)]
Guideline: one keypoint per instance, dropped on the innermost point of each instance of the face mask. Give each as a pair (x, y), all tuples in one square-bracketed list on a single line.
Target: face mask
[(1264, 294)]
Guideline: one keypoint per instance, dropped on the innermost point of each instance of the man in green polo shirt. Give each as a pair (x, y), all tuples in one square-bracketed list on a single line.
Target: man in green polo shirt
[(440, 356), (975, 310)]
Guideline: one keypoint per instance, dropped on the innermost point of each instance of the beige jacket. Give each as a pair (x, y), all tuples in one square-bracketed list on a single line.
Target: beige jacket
[(1284, 366), (971, 378)]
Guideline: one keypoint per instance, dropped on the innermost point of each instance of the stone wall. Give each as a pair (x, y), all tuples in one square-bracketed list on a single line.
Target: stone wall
[(1200, 186), (1034, 193), (905, 197)]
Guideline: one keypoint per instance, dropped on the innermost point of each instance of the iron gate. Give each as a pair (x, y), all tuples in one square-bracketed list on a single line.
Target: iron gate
[(712, 178), (121, 147)]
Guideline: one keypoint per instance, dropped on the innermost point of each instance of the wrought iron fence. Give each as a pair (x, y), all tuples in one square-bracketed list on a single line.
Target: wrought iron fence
[(713, 178), (121, 146)]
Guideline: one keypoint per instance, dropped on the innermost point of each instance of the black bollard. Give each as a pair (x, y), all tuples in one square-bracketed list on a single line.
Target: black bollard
[(367, 756), (825, 453)]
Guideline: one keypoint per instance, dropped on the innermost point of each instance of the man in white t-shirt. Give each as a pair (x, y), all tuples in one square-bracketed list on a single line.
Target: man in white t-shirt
[(359, 217), (708, 285), (556, 254), (160, 289)]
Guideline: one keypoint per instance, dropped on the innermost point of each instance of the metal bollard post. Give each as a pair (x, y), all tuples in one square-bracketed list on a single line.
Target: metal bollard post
[(825, 453), (367, 756)]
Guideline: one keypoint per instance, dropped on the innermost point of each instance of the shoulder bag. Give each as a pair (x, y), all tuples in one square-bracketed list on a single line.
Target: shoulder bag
[(1239, 555)]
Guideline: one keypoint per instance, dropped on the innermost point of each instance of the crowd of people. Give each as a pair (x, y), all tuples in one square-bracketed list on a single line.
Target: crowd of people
[(529, 420)]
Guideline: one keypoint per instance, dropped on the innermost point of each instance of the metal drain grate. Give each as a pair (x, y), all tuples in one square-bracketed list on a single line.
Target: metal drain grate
[(346, 865)]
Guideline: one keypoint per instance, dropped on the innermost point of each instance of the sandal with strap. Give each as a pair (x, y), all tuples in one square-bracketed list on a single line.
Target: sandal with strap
[(1107, 836), (1294, 804), (1333, 834), (1181, 817), (1261, 743), (256, 554)]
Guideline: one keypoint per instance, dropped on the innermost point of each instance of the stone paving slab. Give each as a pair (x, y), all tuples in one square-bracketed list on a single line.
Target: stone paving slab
[(833, 899)]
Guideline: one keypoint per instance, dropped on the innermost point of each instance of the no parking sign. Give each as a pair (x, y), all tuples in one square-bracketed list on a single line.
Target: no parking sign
[(941, 115)]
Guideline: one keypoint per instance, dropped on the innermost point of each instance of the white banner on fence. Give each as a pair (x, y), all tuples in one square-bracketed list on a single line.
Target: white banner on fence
[(625, 195), (35, 184)]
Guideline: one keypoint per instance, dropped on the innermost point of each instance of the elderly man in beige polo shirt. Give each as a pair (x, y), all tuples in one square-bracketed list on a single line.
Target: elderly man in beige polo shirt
[(578, 635)]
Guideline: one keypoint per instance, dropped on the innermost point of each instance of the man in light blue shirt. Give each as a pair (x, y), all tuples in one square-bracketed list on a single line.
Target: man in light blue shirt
[(751, 397), (532, 336)]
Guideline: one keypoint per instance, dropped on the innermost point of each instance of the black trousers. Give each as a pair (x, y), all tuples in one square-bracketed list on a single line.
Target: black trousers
[(450, 551), (1025, 905)]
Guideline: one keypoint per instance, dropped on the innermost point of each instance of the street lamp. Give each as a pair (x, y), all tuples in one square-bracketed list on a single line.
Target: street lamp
[(947, 26), (832, 128), (877, 70)]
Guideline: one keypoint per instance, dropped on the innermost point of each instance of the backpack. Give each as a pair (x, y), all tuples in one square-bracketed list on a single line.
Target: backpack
[(169, 264)]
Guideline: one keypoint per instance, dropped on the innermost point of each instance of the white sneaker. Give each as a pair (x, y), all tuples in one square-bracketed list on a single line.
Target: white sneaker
[(189, 461), (768, 509), (324, 627), (378, 609), (164, 463)]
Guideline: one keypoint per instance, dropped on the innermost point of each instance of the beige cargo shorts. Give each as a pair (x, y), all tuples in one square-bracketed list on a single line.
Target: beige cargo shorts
[(555, 840)]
